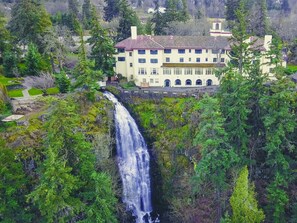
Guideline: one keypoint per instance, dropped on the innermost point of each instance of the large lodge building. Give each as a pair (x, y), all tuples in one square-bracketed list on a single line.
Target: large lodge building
[(178, 61)]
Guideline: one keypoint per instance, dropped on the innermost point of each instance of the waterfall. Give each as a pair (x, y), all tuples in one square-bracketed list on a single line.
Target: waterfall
[(133, 161)]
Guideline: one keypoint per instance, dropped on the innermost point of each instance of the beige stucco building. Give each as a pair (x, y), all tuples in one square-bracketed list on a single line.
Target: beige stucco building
[(177, 61)]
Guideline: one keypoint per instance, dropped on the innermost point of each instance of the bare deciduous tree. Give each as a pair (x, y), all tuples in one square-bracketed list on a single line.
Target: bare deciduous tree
[(42, 82)]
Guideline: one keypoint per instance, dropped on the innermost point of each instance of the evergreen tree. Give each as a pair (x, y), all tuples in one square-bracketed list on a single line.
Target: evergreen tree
[(243, 201), (73, 7), (128, 18), (233, 96), (231, 7), (217, 157), (111, 9), (159, 20), (102, 48), (29, 21), (87, 76), (63, 82), (9, 63), (13, 182), (4, 34), (33, 61), (87, 13), (260, 26)]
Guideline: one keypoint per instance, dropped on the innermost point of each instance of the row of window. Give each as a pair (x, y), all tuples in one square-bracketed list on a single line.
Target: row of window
[(188, 82), (180, 51), (181, 60), (143, 71), (177, 82), (188, 71)]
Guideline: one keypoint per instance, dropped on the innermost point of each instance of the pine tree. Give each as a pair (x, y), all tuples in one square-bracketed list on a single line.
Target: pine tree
[(243, 202), (159, 20), (4, 34)]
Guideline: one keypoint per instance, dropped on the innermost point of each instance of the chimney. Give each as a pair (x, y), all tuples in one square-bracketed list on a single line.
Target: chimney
[(133, 32), (267, 41)]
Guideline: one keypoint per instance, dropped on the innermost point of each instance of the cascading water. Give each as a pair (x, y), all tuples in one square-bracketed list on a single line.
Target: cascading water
[(133, 161)]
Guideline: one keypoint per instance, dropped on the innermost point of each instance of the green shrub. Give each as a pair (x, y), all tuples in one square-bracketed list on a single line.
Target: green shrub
[(63, 82)]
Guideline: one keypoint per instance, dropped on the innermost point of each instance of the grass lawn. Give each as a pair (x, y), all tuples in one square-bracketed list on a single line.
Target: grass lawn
[(292, 68), (35, 91), (53, 90), (15, 93), (9, 81)]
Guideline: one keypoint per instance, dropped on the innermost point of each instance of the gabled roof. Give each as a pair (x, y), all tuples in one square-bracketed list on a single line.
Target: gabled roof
[(174, 42)]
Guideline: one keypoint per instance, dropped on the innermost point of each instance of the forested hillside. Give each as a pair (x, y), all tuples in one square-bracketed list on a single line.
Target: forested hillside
[(226, 157)]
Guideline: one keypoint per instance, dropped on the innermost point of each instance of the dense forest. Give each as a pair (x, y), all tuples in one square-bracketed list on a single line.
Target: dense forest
[(225, 157)]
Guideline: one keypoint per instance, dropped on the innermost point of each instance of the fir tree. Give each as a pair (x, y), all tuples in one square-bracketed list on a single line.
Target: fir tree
[(243, 201), (87, 13), (217, 157), (33, 61), (102, 47)]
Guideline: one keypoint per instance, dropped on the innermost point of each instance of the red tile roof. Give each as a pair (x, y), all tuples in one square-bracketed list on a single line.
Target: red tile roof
[(179, 42), (174, 42)]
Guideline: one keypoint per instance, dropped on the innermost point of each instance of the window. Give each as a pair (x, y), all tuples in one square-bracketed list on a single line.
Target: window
[(130, 54), (142, 71), (154, 52), (222, 60), (151, 81), (178, 71), (131, 77), (198, 51), (190, 59), (199, 82), (121, 50), (206, 59), (177, 82), (141, 51), (157, 81), (154, 71), (166, 71), (181, 60), (188, 71), (167, 59), (206, 50), (208, 71), (190, 50), (217, 26), (215, 60), (223, 51), (144, 80), (199, 71), (167, 50), (131, 65), (181, 51), (215, 51), (209, 82), (141, 60), (197, 60), (188, 82), (154, 60), (121, 58)]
